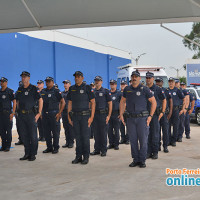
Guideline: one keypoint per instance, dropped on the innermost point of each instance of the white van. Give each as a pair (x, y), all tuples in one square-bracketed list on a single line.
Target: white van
[(125, 72)]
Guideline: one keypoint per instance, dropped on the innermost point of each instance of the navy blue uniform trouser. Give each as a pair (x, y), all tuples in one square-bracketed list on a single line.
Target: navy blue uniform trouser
[(153, 139), (18, 128), (187, 124), (181, 125), (113, 130), (100, 132), (174, 120), (6, 130), (124, 135), (51, 130), (164, 125), (40, 128), (69, 133), (28, 128), (82, 135), (138, 131)]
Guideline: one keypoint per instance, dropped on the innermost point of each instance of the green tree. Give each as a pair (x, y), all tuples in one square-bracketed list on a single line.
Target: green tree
[(194, 36), (183, 79)]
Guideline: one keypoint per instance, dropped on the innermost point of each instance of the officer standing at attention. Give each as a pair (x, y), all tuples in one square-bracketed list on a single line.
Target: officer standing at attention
[(177, 95), (40, 85), (164, 121), (79, 97), (153, 139), (182, 116), (92, 126), (18, 124), (52, 109), (188, 111), (6, 114), (26, 97), (101, 118), (69, 134), (114, 123), (123, 131), (135, 99)]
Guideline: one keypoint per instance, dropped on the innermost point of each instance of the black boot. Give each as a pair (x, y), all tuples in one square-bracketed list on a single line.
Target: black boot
[(85, 161), (77, 160)]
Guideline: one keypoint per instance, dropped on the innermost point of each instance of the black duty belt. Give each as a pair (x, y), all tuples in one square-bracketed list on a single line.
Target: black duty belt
[(101, 111), (115, 112), (85, 112), (25, 111), (176, 107), (51, 111), (142, 114), (5, 111)]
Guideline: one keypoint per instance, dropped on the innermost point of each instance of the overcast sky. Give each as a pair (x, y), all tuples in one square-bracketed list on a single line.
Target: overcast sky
[(162, 47)]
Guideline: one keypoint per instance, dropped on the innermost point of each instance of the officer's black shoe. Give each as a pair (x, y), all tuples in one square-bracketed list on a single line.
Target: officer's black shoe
[(134, 164), (7, 149), (110, 146), (188, 137), (95, 153), (116, 148), (155, 156), (31, 158), (55, 151), (127, 142), (77, 160), (149, 155), (19, 142), (166, 150), (179, 140), (48, 151), (25, 157), (70, 146), (42, 139), (91, 137), (159, 149), (122, 142), (173, 144), (65, 145), (2, 149), (142, 165), (85, 161), (103, 154)]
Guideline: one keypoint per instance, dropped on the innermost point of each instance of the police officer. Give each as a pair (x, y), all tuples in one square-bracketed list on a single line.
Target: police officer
[(26, 97), (40, 85), (164, 121), (52, 109), (123, 131), (153, 139), (18, 124), (182, 116), (135, 98), (177, 95), (189, 111), (79, 97), (69, 134), (6, 114), (114, 123), (101, 117)]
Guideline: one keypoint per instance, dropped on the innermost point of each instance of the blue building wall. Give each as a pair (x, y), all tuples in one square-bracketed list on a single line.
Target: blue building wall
[(43, 58)]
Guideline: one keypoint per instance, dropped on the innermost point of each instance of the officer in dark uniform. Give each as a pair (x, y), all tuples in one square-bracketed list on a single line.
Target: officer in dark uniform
[(6, 114), (135, 99), (56, 85), (18, 124), (153, 139), (174, 120), (182, 116), (101, 117), (40, 85), (123, 131), (164, 121), (69, 134), (114, 123), (189, 111), (52, 109), (26, 97), (79, 97), (92, 126)]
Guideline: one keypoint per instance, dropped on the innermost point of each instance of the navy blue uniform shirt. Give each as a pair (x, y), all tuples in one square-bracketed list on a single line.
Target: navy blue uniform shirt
[(64, 95), (6, 98), (177, 94), (116, 97), (137, 98)]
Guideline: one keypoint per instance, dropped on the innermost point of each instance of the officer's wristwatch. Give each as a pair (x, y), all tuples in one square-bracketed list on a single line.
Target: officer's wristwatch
[(40, 113), (151, 116)]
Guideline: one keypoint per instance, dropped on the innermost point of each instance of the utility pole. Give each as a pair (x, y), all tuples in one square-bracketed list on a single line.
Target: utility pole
[(137, 59), (177, 70)]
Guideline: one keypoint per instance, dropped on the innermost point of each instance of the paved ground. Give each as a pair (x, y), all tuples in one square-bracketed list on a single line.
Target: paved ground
[(54, 177)]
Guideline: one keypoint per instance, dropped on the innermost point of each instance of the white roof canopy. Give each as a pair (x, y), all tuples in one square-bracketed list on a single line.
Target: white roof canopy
[(26, 15)]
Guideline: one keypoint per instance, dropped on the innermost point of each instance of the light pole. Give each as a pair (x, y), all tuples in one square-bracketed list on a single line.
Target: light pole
[(137, 59), (177, 70)]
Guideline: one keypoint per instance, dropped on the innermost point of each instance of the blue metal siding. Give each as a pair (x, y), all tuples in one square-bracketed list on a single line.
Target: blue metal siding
[(44, 58)]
